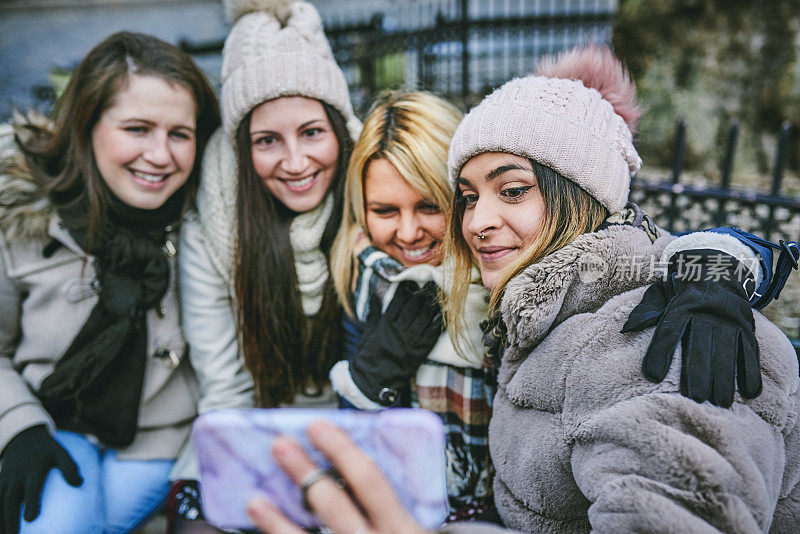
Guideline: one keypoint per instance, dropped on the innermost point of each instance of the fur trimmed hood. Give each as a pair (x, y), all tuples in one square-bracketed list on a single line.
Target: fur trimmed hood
[(579, 278), (24, 213)]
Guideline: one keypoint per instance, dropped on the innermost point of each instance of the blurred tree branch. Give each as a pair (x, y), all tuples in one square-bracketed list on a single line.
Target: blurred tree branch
[(712, 60)]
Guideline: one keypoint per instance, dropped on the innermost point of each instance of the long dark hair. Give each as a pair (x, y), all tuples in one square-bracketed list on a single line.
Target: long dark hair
[(62, 159), (285, 351)]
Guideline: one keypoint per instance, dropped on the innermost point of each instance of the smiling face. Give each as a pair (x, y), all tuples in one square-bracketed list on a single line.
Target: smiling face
[(294, 150), (400, 222), (504, 210), (144, 144)]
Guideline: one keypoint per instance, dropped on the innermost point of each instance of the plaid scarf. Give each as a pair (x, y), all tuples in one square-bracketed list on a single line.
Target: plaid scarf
[(461, 396)]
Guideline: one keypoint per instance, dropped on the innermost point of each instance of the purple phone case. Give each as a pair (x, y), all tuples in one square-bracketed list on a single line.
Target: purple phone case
[(233, 447)]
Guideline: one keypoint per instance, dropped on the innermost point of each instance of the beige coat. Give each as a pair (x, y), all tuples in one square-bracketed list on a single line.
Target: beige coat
[(583, 442), (44, 301)]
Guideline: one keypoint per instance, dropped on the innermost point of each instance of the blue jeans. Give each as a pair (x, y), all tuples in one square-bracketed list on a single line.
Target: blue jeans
[(116, 495)]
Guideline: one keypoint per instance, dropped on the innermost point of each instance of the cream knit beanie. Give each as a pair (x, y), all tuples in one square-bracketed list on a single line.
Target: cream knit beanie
[(560, 123), (277, 48)]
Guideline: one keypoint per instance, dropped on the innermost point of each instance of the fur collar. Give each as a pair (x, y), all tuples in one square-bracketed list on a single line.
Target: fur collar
[(24, 213), (579, 278)]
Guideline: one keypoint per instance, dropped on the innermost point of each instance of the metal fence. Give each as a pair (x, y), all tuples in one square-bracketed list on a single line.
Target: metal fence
[(459, 49), (771, 214), (458, 55), (680, 207)]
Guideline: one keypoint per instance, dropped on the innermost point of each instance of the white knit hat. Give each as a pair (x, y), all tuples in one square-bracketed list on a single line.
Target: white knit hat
[(277, 48), (559, 123)]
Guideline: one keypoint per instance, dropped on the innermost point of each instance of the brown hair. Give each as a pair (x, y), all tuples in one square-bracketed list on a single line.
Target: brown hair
[(63, 161), (285, 351), (569, 212)]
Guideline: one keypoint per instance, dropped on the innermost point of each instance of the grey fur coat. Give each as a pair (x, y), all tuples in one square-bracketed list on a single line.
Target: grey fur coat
[(583, 442)]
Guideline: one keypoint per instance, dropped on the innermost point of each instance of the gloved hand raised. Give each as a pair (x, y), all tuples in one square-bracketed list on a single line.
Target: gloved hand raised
[(396, 343), (27, 459), (703, 305)]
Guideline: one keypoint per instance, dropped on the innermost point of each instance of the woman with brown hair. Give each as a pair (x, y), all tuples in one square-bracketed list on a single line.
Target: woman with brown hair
[(581, 438), (93, 376), (261, 315)]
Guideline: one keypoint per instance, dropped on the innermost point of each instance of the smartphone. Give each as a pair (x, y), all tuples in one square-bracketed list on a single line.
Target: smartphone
[(233, 449)]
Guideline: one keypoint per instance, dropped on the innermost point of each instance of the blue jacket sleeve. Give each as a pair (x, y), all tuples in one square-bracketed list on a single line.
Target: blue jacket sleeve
[(772, 281)]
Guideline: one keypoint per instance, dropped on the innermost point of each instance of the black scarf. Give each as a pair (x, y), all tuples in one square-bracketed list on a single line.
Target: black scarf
[(96, 386)]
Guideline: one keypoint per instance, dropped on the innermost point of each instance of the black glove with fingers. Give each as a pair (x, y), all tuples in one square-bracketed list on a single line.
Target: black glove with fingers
[(27, 459), (396, 343), (703, 304)]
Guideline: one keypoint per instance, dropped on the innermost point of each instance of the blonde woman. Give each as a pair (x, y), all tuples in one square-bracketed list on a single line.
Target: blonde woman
[(389, 244)]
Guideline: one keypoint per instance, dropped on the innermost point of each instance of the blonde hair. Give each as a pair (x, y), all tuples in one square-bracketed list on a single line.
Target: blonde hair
[(412, 131), (569, 212)]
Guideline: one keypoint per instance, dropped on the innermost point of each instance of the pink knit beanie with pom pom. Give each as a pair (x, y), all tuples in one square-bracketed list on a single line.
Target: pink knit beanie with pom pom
[(577, 116)]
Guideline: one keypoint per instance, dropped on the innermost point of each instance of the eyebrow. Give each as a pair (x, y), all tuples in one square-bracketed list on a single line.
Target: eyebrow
[(148, 122), (376, 204), (136, 119), (308, 123), (494, 173), (302, 126)]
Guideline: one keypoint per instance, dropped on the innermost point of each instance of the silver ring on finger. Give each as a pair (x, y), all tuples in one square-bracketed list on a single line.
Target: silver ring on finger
[(312, 478)]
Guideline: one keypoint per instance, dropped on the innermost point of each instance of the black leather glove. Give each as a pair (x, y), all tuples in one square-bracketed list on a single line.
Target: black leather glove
[(27, 459), (395, 344), (704, 305)]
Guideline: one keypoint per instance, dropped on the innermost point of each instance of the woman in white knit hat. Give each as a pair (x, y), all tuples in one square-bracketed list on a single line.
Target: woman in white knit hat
[(261, 315), (580, 439)]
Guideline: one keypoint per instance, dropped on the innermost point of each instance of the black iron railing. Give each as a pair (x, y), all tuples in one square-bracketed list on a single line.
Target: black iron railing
[(681, 207), (453, 53)]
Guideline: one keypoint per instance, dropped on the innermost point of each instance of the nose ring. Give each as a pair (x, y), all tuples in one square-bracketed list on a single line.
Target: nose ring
[(481, 236)]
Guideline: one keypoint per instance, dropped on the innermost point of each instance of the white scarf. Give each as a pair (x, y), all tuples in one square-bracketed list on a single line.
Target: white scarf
[(305, 233), (216, 202), (216, 206)]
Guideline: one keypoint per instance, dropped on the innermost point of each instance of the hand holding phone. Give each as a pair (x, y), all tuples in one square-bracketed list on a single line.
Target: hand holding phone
[(235, 452), (371, 505)]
